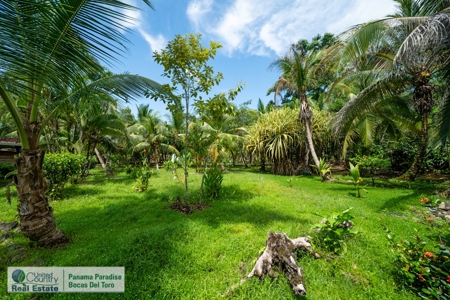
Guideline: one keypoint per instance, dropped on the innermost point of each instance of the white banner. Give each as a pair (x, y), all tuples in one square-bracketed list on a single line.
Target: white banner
[(66, 279)]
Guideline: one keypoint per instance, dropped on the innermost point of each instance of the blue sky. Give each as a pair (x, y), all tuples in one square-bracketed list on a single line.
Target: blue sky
[(253, 33)]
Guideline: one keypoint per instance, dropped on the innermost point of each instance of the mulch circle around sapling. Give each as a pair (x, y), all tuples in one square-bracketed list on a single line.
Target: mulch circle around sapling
[(188, 208)]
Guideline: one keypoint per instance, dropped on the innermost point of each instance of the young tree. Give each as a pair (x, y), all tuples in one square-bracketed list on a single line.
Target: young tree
[(185, 63)]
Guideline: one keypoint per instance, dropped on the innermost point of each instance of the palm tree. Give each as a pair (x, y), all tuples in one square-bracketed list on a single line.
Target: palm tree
[(402, 68), (298, 72), (55, 45)]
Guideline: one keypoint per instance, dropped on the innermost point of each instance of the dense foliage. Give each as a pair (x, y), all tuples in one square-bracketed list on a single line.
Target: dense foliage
[(61, 168)]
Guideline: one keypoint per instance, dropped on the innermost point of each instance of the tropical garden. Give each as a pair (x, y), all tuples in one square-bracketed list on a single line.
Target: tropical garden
[(348, 163)]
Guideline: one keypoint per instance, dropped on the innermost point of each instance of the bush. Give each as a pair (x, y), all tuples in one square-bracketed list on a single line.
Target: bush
[(141, 176), (369, 165), (213, 182), (334, 229), (59, 168), (427, 273)]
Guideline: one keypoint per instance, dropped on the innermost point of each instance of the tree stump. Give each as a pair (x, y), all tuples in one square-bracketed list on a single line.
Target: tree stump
[(280, 255)]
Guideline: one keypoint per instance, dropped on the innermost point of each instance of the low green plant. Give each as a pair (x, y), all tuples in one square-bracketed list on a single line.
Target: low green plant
[(59, 168), (357, 179), (290, 181), (426, 273), (324, 169), (213, 182), (170, 166), (141, 182), (334, 229), (141, 176)]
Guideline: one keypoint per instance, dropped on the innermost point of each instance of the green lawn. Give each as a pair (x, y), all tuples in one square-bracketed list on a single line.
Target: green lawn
[(168, 255)]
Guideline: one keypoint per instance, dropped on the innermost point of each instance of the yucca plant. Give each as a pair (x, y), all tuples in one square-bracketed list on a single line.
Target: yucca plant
[(357, 179)]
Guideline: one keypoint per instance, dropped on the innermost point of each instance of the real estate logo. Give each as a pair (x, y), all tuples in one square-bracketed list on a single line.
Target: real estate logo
[(33, 281), (18, 276), (66, 279)]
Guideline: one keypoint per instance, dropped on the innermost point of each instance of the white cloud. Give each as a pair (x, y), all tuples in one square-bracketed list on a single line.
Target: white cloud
[(266, 26), (362, 12), (156, 42), (136, 21), (134, 16), (197, 9)]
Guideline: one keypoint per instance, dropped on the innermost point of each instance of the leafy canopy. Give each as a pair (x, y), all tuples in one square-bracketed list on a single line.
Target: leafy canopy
[(185, 63)]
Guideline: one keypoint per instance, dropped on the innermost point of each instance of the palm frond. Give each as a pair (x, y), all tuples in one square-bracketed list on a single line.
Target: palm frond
[(385, 88), (426, 41)]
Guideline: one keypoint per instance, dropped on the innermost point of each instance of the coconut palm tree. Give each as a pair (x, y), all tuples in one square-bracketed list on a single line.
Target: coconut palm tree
[(55, 45), (298, 72), (401, 68)]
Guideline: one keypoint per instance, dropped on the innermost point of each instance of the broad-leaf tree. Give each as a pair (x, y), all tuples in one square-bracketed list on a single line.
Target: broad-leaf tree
[(55, 45), (185, 63)]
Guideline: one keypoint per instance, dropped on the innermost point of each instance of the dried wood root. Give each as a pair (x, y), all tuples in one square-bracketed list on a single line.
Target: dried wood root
[(280, 254)]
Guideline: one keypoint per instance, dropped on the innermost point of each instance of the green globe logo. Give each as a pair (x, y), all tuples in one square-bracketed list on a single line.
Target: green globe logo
[(18, 276)]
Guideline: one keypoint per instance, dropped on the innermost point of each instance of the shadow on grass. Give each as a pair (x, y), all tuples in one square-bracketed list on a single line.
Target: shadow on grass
[(235, 193), (400, 203), (252, 169), (235, 206), (137, 232)]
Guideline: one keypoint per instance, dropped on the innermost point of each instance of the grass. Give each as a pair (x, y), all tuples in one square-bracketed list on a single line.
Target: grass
[(168, 255)]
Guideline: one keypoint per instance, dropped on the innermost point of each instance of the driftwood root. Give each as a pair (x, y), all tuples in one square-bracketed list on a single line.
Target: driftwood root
[(280, 254)]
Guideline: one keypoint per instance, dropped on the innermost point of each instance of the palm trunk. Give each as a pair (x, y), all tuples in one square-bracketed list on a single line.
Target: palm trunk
[(37, 221), (310, 142), (306, 117), (186, 146), (100, 159), (423, 105), (416, 167)]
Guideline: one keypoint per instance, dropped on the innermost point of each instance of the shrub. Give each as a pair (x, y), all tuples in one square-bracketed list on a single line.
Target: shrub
[(333, 229), (141, 176), (371, 164), (213, 182), (59, 168), (427, 273)]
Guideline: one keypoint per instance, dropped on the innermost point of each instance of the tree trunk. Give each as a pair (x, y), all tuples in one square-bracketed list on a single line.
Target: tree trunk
[(233, 159), (244, 160), (306, 116), (423, 105), (416, 167), (262, 161), (100, 159), (37, 221), (310, 142), (187, 94)]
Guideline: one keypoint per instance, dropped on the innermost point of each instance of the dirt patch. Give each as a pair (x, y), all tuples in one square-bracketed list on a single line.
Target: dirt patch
[(188, 208)]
